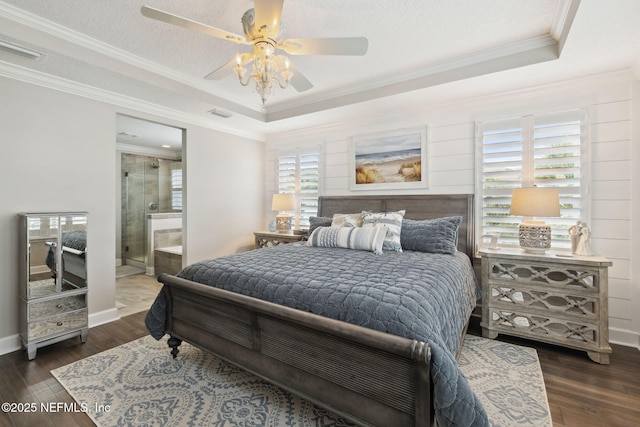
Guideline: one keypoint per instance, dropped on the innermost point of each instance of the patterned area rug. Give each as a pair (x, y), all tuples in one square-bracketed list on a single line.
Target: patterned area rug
[(508, 381), (139, 384)]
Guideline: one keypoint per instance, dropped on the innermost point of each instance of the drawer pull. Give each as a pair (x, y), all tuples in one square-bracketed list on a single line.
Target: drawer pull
[(59, 323)]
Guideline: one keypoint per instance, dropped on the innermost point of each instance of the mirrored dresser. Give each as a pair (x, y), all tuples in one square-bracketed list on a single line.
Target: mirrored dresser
[(547, 297), (53, 278)]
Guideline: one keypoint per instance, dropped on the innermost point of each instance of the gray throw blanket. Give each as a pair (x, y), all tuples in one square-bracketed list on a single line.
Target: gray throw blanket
[(416, 295)]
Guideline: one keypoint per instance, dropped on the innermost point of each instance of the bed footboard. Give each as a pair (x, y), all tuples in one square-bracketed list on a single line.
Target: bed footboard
[(366, 376)]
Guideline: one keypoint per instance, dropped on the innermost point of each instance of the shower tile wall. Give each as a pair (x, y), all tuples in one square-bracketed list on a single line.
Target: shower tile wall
[(146, 191)]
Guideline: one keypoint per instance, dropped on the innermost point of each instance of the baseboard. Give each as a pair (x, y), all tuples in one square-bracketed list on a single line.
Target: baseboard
[(624, 337), (103, 317), (10, 344)]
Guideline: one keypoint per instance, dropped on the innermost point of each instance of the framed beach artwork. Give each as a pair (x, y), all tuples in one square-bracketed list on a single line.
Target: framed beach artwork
[(389, 160)]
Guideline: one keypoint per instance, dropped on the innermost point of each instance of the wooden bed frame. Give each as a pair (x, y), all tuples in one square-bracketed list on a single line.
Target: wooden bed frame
[(368, 377)]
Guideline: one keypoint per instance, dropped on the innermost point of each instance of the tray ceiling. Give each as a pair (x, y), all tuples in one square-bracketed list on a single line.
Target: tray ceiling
[(110, 48)]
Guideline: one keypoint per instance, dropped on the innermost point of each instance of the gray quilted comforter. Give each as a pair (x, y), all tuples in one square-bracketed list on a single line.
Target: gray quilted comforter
[(427, 297)]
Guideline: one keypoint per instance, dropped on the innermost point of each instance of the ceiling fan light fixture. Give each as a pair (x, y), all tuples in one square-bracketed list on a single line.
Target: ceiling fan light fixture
[(265, 31), (267, 68)]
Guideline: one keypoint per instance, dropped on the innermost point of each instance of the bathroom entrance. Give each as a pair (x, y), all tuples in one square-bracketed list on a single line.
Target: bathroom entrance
[(150, 180), (149, 186)]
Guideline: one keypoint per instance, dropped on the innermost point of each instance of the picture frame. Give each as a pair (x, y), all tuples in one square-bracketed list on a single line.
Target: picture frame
[(389, 160)]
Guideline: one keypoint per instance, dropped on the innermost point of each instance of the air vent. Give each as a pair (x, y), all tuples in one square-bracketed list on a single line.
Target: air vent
[(220, 113), (19, 50)]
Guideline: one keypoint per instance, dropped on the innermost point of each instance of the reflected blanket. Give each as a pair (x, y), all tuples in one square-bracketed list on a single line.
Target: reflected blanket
[(416, 295)]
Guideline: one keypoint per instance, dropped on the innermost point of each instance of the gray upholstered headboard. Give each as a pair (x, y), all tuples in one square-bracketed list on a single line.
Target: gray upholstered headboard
[(416, 207)]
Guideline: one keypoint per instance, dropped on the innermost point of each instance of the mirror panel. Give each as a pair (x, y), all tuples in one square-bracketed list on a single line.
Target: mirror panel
[(74, 252), (43, 254)]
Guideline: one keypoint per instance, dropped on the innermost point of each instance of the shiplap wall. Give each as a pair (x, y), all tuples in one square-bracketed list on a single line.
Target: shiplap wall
[(451, 164)]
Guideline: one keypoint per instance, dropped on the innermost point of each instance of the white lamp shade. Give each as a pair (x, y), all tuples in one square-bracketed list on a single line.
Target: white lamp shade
[(283, 202), (535, 202)]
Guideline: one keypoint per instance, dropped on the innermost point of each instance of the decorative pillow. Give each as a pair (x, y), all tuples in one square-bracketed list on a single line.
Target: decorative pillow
[(392, 221), (318, 221), (347, 220), (364, 239), (438, 236)]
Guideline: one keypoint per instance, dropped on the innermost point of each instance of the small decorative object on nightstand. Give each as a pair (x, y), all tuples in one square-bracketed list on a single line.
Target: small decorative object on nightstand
[(548, 298), (283, 203), (265, 239), (535, 235)]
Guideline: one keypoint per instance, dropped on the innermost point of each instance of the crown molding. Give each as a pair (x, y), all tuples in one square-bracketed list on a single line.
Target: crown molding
[(27, 75), (148, 151), (320, 132), (508, 56), (563, 20), (35, 22)]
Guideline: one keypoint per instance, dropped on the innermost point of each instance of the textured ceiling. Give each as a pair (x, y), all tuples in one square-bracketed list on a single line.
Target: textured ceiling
[(413, 44)]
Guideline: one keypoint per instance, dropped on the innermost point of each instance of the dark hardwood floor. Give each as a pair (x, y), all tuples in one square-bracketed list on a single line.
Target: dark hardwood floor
[(581, 392)]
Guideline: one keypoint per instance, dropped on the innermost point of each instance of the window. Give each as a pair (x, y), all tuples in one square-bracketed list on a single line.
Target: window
[(547, 150), (176, 188), (298, 173)]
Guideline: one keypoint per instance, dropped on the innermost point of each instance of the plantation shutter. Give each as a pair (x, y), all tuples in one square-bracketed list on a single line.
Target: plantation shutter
[(309, 183), (176, 189), (298, 173), (545, 150)]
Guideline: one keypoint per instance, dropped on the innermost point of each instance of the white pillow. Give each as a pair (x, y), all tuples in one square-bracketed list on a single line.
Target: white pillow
[(392, 221), (347, 220), (364, 239)]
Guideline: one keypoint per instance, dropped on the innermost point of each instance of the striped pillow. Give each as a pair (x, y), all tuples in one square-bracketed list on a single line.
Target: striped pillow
[(392, 221), (364, 239)]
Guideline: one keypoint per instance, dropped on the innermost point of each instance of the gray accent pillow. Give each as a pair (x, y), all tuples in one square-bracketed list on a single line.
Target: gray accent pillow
[(438, 236), (319, 221)]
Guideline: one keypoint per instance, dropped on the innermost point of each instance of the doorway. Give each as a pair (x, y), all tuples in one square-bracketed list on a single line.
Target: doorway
[(150, 173), (150, 170)]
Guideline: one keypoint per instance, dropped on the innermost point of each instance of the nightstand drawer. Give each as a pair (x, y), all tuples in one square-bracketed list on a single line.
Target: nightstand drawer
[(547, 300), (57, 306), (546, 327), (58, 324), (549, 275)]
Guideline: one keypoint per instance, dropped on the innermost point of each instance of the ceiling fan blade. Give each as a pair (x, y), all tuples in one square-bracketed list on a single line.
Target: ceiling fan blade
[(169, 18), (329, 46), (298, 81), (267, 12), (228, 68)]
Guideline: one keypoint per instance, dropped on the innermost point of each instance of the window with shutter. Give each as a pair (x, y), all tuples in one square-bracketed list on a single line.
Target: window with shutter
[(547, 150), (298, 173), (176, 189)]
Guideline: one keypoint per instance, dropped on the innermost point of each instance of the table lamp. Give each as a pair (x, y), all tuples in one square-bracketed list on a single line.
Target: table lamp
[(283, 203), (535, 235)]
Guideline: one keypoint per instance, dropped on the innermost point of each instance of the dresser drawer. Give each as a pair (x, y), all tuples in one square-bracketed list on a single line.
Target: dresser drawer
[(545, 327), (58, 324), (544, 274), (544, 299), (57, 306)]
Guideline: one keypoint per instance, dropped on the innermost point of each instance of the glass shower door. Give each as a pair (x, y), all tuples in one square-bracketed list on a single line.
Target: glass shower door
[(134, 213)]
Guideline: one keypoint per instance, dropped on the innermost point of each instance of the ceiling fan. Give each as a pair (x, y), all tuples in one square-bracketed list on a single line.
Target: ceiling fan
[(264, 31)]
